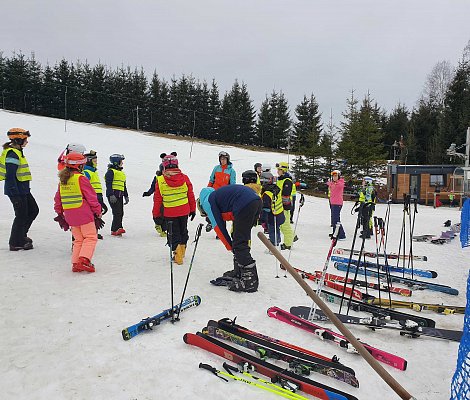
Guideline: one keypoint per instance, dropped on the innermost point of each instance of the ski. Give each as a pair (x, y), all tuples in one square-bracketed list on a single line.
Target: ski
[(406, 328), (423, 238), (412, 283), (338, 339), (337, 278), (377, 311), (438, 308), (263, 367), (370, 254), (418, 272), (301, 363), (148, 323)]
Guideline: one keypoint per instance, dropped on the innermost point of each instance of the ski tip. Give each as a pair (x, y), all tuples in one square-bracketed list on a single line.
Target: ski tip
[(433, 274), (185, 338), (425, 258), (125, 334), (405, 365)]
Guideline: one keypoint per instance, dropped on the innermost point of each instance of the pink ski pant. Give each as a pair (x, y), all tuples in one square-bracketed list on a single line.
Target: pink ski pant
[(85, 241)]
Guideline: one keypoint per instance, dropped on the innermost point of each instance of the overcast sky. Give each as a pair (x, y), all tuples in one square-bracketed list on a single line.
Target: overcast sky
[(324, 47)]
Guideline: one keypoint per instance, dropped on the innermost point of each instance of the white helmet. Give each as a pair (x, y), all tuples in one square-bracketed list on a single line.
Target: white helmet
[(75, 148), (266, 167), (369, 180), (336, 172)]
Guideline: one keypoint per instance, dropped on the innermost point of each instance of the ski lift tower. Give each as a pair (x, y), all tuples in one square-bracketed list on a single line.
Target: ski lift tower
[(452, 152)]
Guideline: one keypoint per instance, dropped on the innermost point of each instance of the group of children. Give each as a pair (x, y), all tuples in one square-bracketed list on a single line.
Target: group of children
[(79, 204)]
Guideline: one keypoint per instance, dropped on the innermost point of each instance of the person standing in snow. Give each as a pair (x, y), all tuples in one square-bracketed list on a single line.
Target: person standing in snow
[(258, 167), (240, 204), (174, 195), (71, 147), (367, 198), (335, 196), (161, 229), (77, 206), (284, 182), (273, 210), (116, 192), (14, 170), (91, 172)]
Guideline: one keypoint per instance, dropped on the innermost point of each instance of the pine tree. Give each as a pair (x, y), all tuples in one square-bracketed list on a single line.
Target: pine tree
[(213, 110)]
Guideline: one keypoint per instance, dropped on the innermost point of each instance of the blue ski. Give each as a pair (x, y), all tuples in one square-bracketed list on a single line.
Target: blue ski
[(418, 272), (411, 283), (150, 322)]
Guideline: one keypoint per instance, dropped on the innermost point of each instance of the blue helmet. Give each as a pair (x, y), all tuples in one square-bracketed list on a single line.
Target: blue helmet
[(115, 159)]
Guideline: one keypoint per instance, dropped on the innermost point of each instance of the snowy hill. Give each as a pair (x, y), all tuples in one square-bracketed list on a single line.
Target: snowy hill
[(62, 330)]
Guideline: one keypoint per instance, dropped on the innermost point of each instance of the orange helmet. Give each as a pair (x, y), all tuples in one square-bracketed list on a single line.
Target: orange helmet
[(18, 133), (74, 160)]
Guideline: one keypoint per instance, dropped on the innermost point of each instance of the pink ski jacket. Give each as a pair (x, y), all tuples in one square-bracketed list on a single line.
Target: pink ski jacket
[(336, 191)]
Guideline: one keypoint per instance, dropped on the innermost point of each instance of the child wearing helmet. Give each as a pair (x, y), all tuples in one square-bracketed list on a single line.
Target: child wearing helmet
[(160, 228), (116, 192), (14, 170), (251, 179), (284, 182), (223, 174), (174, 202), (77, 206), (90, 170), (70, 148), (273, 209), (367, 198), (335, 197)]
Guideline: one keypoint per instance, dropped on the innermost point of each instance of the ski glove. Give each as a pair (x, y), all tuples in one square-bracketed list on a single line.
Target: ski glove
[(146, 194), (158, 220), (126, 200), (192, 215), (112, 199), (99, 223), (62, 222)]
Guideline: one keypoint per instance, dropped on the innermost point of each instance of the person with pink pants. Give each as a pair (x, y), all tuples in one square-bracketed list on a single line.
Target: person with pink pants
[(77, 206)]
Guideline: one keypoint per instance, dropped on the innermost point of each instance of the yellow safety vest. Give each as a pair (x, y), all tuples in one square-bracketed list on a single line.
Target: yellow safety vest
[(70, 193), (276, 204), (172, 196), (280, 183), (95, 181), (23, 173), (119, 180)]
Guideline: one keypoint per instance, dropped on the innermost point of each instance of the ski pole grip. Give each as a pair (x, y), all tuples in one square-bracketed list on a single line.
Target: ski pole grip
[(229, 367), (208, 367)]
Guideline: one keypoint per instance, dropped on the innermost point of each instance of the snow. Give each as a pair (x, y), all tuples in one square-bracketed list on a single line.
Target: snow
[(62, 330)]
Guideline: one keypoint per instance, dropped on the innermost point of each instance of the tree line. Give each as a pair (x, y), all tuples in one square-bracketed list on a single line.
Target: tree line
[(366, 137)]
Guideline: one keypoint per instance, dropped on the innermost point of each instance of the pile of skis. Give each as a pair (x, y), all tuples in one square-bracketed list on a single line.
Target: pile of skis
[(299, 364), (445, 236)]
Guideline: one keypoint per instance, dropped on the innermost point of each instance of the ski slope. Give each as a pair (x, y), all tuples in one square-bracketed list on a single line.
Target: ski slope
[(61, 331)]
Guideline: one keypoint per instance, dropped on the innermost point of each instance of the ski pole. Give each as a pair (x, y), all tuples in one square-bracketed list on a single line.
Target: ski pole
[(196, 241), (301, 204), (170, 244), (223, 375), (275, 237), (334, 239), (385, 375)]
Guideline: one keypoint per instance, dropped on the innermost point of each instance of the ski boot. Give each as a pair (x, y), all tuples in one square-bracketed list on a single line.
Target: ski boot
[(208, 227), (179, 254), (26, 246), (234, 273), (100, 236), (84, 264), (248, 281), (285, 247)]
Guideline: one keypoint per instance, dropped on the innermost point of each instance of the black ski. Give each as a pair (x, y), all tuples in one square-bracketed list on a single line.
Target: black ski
[(300, 362), (406, 328)]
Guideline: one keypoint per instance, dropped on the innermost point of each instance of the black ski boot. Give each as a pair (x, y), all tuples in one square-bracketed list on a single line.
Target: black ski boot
[(208, 227), (248, 281), (285, 247), (235, 272)]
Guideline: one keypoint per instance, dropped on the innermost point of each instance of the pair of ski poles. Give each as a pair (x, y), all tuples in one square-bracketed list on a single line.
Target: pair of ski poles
[(170, 241)]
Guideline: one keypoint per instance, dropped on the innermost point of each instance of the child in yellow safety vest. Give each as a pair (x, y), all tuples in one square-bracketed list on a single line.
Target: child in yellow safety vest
[(273, 210), (91, 172), (77, 206), (14, 170), (116, 192), (174, 191)]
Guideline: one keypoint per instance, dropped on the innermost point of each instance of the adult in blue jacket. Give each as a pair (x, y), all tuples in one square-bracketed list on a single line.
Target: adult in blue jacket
[(240, 204)]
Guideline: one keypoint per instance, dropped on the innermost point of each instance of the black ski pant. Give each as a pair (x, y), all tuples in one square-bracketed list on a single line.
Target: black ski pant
[(26, 211), (179, 228), (241, 235), (118, 214)]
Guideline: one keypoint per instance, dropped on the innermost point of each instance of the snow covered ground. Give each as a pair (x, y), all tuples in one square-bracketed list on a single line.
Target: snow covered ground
[(61, 331)]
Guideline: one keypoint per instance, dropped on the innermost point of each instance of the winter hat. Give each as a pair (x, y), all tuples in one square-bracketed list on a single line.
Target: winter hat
[(170, 161)]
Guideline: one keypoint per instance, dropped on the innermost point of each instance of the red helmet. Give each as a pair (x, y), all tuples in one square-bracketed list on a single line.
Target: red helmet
[(74, 160)]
